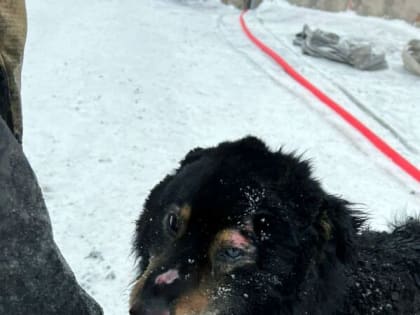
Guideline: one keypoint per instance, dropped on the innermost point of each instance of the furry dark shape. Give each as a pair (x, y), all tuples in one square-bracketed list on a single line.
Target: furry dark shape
[(35, 278), (239, 229)]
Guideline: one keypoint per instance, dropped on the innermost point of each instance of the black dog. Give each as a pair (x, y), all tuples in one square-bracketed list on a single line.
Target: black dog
[(238, 229)]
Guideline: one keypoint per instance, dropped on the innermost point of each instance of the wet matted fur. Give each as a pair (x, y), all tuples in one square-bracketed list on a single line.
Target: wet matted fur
[(239, 229)]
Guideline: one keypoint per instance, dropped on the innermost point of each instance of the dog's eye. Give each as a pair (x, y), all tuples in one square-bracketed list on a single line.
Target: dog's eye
[(173, 223), (233, 253)]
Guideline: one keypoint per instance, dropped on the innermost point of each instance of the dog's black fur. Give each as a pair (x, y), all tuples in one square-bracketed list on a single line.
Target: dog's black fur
[(313, 255)]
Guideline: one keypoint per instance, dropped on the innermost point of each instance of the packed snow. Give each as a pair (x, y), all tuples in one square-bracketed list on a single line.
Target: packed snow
[(116, 92)]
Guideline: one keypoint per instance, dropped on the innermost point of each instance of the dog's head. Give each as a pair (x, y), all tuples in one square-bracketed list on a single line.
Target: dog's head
[(236, 229)]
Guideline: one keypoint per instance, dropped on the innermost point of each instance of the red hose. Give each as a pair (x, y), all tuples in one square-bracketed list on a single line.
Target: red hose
[(380, 144)]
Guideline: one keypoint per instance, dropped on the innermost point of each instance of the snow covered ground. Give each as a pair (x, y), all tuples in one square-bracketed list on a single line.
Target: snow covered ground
[(116, 92)]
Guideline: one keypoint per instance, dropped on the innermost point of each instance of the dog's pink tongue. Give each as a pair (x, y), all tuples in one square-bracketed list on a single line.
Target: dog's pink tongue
[(167, 277)]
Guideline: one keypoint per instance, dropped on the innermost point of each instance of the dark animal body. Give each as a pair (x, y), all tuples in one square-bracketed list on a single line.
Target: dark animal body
[(239, 229)]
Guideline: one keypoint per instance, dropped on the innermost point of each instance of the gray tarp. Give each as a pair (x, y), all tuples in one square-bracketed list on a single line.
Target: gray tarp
[(319, 43), (411, 56), (34, 277)]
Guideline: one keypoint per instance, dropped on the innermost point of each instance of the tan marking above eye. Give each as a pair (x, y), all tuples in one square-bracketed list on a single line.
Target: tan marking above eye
[(184, 215), (230, 238)]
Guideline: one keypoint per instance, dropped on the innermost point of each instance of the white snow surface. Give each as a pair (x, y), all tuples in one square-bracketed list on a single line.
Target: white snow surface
[(115, 93)]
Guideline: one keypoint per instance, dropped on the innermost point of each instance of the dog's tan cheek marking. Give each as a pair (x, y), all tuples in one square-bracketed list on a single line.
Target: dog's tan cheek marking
[(194, 303), (139, 284), (135, 291)]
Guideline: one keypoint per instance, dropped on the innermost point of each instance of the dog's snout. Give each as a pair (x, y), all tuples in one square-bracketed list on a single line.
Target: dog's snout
[(157, 293), (157, 309)]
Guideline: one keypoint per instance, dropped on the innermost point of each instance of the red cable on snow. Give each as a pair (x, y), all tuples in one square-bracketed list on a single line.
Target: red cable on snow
[(380, 144)]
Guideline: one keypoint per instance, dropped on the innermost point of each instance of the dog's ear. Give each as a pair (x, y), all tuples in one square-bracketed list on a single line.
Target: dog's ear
[(339, 224), (192, 156)]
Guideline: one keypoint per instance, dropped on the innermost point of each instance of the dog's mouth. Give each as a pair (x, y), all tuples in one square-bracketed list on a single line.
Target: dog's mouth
[(191, 303), (159, 310)]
